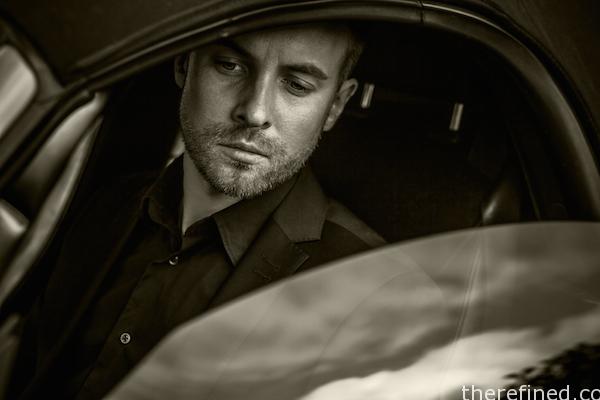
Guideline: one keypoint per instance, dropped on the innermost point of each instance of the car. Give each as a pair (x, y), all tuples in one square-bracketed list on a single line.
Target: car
[(470, 113)]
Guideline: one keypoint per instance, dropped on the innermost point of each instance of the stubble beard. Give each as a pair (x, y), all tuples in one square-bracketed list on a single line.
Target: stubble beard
[(235, 178)]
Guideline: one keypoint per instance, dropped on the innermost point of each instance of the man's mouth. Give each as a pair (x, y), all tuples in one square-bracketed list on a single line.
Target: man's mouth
[(247, 147), (244, 152)]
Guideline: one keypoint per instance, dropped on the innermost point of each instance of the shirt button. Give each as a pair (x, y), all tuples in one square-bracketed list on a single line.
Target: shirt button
[(125, 338), (174, 260)]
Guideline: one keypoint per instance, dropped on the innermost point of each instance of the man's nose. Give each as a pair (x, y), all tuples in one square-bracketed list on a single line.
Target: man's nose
[(254, 108)]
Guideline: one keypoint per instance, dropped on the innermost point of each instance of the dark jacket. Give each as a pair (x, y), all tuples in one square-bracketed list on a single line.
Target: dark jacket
[(307, 229)]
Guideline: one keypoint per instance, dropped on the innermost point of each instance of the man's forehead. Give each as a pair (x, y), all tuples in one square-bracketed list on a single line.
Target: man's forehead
[(298, 34), (300, 43)]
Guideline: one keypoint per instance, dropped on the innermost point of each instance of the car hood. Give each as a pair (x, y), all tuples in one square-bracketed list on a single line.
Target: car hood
[(490, 307)]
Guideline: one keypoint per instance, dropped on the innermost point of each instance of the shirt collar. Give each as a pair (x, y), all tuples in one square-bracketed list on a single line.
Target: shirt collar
[(238, 224), (162, 201)]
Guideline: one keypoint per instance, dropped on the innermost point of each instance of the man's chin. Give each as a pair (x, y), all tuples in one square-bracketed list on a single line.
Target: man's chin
[(240, 181)]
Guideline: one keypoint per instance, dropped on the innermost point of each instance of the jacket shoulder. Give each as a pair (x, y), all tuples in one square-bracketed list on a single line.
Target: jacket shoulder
[(341, 216), (343, 234)]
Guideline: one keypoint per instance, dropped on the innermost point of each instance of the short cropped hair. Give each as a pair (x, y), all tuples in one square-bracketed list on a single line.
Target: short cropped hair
[(355, 48)]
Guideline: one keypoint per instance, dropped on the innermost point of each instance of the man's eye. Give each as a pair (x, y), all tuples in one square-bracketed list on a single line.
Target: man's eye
[(297, 88), (229, 67)]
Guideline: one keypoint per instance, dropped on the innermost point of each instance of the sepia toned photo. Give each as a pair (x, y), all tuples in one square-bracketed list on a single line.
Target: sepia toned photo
[(311, 200)]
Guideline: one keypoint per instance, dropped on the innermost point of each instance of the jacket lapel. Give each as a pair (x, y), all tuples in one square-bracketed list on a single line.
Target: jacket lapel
[(272, 257), (274, 254)]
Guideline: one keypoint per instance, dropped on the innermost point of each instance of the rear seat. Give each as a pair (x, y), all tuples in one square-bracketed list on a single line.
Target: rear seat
[(420, 154)]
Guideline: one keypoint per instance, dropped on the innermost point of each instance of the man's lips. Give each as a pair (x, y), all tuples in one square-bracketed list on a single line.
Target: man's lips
[(246, 147)]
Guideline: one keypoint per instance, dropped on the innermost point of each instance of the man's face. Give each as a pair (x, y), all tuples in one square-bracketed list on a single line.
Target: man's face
[(253, 107)]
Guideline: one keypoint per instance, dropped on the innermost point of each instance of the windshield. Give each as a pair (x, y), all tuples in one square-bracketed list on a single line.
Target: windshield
[(483, 309)]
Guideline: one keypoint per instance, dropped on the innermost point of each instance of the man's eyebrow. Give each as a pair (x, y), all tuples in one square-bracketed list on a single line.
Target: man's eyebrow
[(230, 44), (308, 68)]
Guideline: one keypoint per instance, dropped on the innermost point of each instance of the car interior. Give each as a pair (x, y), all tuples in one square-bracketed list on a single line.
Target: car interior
[(439, 137)]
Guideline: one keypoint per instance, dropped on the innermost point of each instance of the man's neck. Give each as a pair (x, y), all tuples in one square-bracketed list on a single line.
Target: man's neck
[(200, 199)]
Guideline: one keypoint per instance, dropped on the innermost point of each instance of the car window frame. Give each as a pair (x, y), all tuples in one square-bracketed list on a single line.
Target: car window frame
[(564, 124), (564, 127)]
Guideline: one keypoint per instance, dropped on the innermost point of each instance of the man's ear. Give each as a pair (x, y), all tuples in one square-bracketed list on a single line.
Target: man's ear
[(345, 91), (180, 67)]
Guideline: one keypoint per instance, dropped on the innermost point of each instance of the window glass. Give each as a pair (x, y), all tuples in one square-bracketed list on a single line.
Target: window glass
[(466, 315), (17, 86)]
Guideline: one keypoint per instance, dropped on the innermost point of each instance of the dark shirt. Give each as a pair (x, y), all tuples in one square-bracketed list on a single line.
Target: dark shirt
[(160, 280)]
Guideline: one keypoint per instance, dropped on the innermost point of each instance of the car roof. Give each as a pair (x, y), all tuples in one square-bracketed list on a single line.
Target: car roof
[(74, 37)]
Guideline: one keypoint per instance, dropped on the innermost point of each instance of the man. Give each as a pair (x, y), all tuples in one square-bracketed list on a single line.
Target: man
[(236, 212)]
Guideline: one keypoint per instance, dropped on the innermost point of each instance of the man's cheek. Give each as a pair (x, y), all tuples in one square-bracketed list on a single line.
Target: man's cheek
[(314, 110), (307, 121), (220, 102)]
